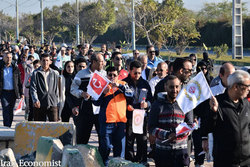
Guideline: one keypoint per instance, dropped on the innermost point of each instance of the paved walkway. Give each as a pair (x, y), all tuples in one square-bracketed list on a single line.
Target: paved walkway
[(93, 139)]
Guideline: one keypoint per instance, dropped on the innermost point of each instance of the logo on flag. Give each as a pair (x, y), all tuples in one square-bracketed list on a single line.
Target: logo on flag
[(195, 92), (138, 120), (96, 85)]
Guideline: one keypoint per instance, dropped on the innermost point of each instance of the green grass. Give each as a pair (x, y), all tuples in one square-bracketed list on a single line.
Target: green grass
[(240, 62)]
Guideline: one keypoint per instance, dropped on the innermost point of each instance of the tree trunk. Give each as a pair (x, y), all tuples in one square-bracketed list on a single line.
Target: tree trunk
[(149, 41)]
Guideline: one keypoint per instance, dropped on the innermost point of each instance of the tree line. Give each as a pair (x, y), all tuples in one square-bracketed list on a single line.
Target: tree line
[(164, 24)]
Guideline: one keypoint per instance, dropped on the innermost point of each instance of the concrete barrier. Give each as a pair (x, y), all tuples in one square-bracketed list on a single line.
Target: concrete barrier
[(119, 162), (28, 133), (7, 158), (6, 137), (90, 154), (49, 149), (72, 158)]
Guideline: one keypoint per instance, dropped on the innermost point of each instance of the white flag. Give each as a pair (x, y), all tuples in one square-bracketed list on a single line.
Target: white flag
[(138, 120), (195, 92), (97, 84)]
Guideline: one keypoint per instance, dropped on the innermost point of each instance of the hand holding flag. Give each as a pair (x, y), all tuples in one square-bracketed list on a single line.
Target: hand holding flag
[(181, 129), (19, 106), (97, 84)]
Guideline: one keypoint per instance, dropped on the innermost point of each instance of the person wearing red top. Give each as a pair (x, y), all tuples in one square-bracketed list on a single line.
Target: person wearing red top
[(22, 61)]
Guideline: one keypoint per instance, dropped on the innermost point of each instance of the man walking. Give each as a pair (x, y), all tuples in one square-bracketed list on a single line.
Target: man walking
[(10, 87), (165, 116), (44, 91), (228, 120), (142, 99), (112, 116), (87, 115)]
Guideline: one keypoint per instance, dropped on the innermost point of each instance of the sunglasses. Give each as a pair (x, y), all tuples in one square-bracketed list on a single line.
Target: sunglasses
[(151, 52), (160, 70), (112, 75), (117, 58), (247, 86), (187, 70)]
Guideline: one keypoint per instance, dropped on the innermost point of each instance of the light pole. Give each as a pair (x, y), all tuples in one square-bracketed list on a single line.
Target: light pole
[(42, 38), (17, 21), (133, 25), (77, 24)]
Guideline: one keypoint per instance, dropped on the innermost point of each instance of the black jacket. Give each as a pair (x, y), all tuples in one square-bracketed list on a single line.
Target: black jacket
[(232, 134), (38, 91), (17, 84), (137, 89)]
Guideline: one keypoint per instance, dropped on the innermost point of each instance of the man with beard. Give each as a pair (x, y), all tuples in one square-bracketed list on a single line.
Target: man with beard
[(164, 117)]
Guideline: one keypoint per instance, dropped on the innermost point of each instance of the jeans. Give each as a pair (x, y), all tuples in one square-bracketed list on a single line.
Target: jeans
[(8, 100), (112, 136)]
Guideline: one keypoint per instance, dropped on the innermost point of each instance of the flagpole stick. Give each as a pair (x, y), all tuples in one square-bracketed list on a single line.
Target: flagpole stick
[(219, 111)]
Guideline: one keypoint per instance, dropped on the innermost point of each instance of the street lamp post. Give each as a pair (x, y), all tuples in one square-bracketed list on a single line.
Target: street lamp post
[(42, 38), (133, 25), (77, 24), (17, 21)]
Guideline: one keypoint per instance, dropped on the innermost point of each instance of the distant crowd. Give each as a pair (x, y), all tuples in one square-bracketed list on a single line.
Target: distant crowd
[(53, 83)]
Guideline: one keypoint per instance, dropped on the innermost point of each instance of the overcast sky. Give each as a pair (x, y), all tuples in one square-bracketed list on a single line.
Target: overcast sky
[(33, 6)]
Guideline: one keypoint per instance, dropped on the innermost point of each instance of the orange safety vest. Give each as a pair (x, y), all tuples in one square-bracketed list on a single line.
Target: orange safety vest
[(116, 106)]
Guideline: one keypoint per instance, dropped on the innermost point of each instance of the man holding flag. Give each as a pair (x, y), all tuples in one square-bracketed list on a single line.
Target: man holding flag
[(142, 98), (88, 113), (164, 117), (112, 117), (229, 120)]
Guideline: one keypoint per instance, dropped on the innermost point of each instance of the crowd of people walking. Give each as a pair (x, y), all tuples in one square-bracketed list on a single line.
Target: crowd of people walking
[(53, 83)]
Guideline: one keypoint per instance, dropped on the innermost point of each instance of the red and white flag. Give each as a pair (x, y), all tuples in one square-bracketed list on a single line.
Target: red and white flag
[(184, 128), (19, 107), (97, 84)]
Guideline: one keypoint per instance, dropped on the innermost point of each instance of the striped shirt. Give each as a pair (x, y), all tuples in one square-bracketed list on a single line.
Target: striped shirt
[(164, 117)]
